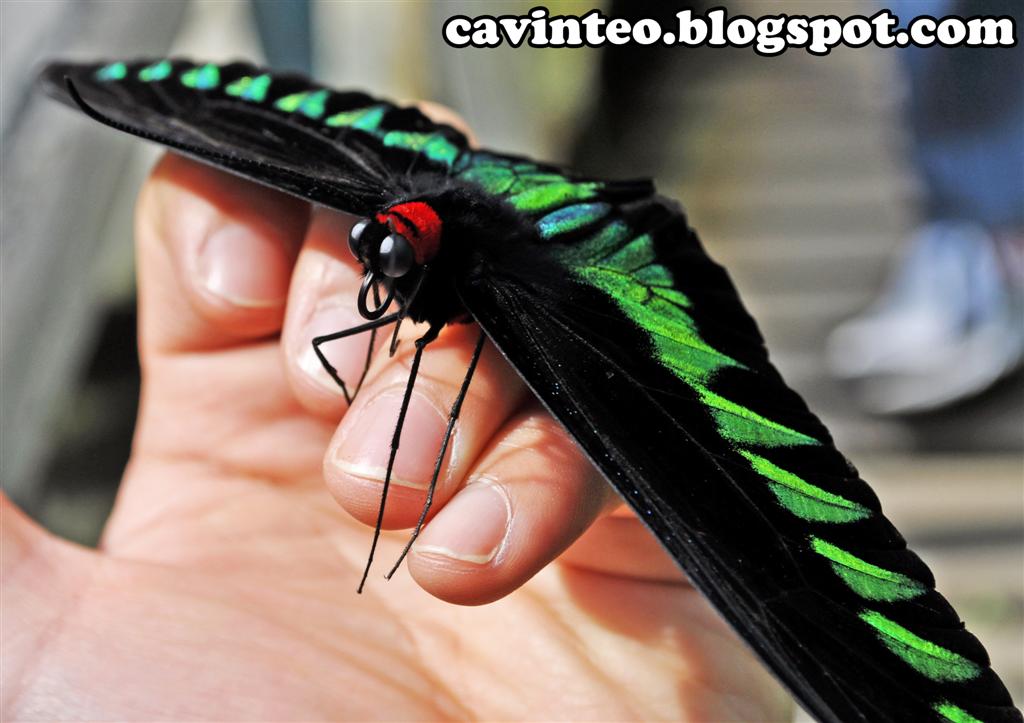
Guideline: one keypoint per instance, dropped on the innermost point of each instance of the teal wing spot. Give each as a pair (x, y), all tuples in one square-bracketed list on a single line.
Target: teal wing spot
[(114, 71), (156, 71), (805, 500), (869, 581), (250, 88), (433, 145), (365, 119), (571, 218), (204, 77), (744, 426), (954, 713), (927, 658)]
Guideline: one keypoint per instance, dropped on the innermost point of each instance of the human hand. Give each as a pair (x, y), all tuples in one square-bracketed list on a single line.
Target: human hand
[(225, 583)]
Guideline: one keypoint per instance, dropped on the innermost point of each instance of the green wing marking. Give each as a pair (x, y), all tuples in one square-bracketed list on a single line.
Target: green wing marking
[(365, 119), (803, 499), (114, 71), (602, 250), (548, 195), (250, 88), (309, 103), (930, 660), (156, 71), (439, 146), (204, 77), (433, 145), (954, 713), (869, 581)]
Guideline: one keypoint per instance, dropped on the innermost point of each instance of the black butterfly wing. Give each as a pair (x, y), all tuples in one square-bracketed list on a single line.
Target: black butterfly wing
[(343, 150), (638, 343)]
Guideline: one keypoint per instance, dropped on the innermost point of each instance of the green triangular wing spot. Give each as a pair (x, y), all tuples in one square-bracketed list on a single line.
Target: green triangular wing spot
[(654, 275), (591, 251), (250, 88), (549, 195), (290, 103), (742, 425), (204, 77), (954, 713), (365, 119), (156, 71), (114, 71), (674, 296), (309, 103), (930, 660), (493, 179), (433, 145), (869, 581), (529, 187), (803, 499), (632, 256)]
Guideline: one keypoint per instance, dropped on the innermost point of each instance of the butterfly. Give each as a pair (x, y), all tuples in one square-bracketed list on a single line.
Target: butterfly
[(602, 298)]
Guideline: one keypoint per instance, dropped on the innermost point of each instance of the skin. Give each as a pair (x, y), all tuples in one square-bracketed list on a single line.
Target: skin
[(224, 587)]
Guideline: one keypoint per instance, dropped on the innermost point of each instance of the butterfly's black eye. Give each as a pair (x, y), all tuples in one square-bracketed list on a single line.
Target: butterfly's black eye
[(355, 234), (396, 255)]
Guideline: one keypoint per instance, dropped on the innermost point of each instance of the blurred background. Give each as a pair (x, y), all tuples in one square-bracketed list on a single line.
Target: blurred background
[(869, 205)]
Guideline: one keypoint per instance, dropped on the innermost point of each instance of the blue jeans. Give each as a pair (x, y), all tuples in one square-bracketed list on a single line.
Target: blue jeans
[(966, 114)]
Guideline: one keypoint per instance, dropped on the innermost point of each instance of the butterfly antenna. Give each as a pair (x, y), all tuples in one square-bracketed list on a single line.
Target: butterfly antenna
[(421, 344), (453, 415)]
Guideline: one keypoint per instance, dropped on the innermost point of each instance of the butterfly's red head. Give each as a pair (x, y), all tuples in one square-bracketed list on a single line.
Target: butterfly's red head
[(419, 224)]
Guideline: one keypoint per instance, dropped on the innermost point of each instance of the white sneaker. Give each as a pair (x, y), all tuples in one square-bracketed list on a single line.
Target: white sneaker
[(949, 325)]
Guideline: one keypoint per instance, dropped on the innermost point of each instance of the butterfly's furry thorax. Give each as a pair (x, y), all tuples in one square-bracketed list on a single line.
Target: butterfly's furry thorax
[(473, 230)]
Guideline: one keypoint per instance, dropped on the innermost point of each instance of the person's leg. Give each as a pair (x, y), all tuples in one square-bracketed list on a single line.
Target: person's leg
[(949, 323), (286, 33)]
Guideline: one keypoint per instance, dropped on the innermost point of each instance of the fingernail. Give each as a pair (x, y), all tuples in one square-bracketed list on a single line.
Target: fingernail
[(471, 527), (347, 355), (244, 267), (366, 440)]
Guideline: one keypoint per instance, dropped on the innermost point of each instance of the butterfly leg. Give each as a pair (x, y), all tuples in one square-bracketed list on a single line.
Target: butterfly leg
[(414, 369), (393, 347), (452, 417), (372, 327)]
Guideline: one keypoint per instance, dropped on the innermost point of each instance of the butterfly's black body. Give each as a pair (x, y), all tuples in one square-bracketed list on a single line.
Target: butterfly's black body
[(605, 302)]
